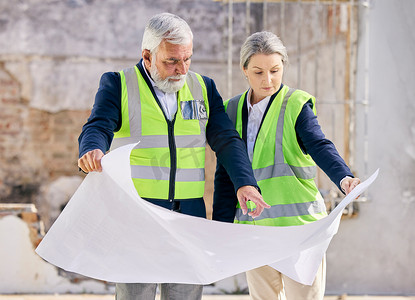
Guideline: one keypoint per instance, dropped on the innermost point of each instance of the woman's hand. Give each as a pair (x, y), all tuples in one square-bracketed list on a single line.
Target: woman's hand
[(249, 193), (348, 184)]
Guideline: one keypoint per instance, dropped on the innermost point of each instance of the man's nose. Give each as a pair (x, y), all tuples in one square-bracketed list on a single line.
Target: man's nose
[(181, 68)]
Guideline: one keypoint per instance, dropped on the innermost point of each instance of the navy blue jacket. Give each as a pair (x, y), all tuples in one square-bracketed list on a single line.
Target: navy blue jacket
[(105, 119), (311, 140)]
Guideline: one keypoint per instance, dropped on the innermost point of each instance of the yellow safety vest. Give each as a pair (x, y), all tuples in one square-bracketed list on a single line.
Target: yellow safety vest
[(169, 161), (283, 172)]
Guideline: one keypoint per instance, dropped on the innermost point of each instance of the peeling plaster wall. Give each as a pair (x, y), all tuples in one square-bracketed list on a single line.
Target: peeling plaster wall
[(374, 253), (62, 47), (52, 54)]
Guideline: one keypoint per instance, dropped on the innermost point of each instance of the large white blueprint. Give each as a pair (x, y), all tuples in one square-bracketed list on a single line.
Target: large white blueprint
[(108, 232)]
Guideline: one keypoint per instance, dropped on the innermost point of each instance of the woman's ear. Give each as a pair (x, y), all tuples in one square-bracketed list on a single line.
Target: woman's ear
[(245, 73)]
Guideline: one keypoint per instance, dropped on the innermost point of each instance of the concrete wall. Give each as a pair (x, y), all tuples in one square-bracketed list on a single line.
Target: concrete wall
[(52, 54), (374, 254)]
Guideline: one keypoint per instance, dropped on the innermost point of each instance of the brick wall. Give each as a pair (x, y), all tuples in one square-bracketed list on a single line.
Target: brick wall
[(35, 146)]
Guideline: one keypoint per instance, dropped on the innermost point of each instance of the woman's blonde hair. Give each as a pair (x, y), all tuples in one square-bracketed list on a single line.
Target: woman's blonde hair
[(264, 42)]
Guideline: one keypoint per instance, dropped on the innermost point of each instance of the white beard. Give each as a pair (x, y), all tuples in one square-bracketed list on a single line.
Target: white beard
[(166, 85)]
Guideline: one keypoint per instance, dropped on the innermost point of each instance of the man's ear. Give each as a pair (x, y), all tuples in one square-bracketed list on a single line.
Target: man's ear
[(146, 58)]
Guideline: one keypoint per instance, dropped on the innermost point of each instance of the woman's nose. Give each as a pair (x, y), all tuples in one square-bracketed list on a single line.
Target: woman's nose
[(267, 78)]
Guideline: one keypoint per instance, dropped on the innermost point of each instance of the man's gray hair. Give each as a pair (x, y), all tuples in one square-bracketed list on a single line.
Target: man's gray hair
[(166, 26), (264, 42)]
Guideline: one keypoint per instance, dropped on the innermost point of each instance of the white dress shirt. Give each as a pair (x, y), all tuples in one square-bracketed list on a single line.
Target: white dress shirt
[(168, 101), (255, 115)]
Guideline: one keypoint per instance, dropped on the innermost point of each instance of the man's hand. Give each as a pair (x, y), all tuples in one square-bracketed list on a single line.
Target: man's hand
[(348, 184), (248, 192), (91, 161)]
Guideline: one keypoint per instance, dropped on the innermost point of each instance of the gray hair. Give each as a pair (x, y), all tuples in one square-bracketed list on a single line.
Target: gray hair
[(264, 42), (166, 26)]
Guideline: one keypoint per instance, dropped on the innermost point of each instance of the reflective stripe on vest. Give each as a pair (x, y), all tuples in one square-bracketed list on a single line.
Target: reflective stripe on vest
[(288, 210), (280, 169), (162, 173), (232, 108), (153, 181)]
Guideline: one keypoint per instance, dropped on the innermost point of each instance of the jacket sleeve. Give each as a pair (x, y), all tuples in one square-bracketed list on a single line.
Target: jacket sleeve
[(225, 141), (105, 117), (224, 197), (313, 141)]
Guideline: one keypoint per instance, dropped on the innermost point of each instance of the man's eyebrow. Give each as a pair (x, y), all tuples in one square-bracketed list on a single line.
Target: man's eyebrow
[(176, 59)]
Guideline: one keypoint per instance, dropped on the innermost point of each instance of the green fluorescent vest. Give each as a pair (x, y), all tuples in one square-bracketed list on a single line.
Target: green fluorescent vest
[(283, 172), (168, 162)]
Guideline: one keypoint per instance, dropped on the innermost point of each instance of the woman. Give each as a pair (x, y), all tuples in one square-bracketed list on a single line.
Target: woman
[(284, 143)]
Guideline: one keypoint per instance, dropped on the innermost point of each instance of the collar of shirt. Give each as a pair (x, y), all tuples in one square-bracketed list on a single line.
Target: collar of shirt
[(168, 101), (255, 115), (257, 108)]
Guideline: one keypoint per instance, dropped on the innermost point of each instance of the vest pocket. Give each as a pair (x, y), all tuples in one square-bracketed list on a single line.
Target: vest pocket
[(193, 110)]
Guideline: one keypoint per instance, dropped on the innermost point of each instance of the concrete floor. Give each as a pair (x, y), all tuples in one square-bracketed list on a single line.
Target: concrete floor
[(205, 297)]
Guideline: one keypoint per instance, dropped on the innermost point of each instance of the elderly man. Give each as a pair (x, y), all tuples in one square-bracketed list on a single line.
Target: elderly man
[(172, 112)]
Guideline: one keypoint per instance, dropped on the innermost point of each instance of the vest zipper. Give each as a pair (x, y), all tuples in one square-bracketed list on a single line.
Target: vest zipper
[(172, 143), (173, 162)]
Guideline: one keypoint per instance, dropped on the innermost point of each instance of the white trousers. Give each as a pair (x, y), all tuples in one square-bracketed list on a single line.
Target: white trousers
[(266, 283)]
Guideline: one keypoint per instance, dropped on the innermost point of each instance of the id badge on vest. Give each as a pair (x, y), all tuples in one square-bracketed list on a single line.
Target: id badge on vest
[(193, 110)]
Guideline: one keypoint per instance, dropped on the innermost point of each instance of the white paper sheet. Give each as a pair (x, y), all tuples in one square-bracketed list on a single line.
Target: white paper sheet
[(108, 232)]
